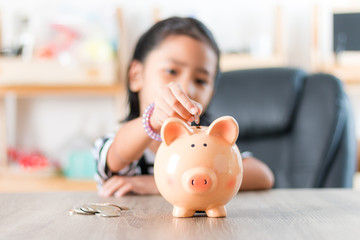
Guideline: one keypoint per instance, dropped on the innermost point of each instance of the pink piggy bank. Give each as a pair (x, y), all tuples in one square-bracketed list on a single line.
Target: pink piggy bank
[(198, 168)]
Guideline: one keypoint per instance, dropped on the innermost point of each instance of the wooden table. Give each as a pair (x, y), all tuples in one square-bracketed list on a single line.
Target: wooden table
[(274, 214)]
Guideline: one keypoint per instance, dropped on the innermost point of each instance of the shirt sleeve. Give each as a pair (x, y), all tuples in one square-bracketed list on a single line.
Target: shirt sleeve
[(246, 154), (99, 152)]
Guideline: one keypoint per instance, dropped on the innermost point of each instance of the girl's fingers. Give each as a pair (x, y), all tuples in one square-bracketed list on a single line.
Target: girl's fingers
[(126, 188), (174, 102), (166, 109), (199, 106), (161, 113), (136, 184), (161, 117), (175, 105), (197, 115), (182, 97), (112, 185)]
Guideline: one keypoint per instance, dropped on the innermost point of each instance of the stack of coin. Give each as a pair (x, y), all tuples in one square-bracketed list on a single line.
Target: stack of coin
[(102, 209)]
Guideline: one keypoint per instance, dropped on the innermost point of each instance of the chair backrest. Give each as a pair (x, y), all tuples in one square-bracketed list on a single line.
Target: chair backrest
[(300, 125)]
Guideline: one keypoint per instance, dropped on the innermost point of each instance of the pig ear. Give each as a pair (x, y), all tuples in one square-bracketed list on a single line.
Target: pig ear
[(225, 128), (173, 128)]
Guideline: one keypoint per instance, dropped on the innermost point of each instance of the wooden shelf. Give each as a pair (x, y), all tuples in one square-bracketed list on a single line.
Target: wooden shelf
[(236, 61), (15, 179), (36, 90), (17, 71), (49, 77), (349, 74), (26, 78), (41, 184)]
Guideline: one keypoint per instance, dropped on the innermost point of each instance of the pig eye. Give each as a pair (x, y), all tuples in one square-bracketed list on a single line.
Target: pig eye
[(205, 144), (192, 145)]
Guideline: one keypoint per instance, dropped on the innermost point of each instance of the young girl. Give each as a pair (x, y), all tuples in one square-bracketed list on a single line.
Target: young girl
[(175, 66)]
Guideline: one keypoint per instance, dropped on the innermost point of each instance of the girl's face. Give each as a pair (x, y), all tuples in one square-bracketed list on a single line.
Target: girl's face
[(178, 58)]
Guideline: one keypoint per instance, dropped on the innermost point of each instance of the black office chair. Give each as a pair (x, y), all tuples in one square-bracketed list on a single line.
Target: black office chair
[(300, 125)]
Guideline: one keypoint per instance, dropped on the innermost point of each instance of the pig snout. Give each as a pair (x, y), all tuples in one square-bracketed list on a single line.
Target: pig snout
[(199, 180), (200, 183)]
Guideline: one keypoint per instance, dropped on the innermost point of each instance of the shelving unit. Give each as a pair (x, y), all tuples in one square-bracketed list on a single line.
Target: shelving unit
[(345, 66), (235, 61), (38, 90), (22, 183), (350, 75), (97, 80), (9, 94)]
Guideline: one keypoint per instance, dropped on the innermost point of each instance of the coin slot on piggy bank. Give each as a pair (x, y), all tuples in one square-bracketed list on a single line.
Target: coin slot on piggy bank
[(198, 168)]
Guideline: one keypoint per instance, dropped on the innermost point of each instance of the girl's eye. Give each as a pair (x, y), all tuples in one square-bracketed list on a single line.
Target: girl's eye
[(171, 71), (201, 81)]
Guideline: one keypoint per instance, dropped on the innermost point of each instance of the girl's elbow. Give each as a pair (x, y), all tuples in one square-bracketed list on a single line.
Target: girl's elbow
[(257, 175), (269, 180)]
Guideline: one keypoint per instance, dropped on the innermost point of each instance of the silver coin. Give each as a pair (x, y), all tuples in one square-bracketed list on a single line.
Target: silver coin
[(120, 207), (108, 208), (99, 206), (90, 207), (94, 206), (110, 213), (89, 210), (79, 211), (102, 209), (114, 205)]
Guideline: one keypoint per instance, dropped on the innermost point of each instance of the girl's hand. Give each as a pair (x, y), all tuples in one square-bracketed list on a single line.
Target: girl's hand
[(121, 185), (174, 102)]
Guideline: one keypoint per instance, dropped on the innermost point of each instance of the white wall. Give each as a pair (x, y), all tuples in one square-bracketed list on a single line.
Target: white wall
[(52, 122), (49, 123)]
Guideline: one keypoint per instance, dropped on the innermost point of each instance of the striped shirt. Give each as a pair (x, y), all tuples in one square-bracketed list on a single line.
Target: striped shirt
[(143, 166)]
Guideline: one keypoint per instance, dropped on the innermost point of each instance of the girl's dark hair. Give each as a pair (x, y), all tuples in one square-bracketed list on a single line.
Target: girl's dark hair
[(155, 35)]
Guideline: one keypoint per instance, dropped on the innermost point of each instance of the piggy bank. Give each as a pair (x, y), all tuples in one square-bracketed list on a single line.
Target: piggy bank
[(198, 168)]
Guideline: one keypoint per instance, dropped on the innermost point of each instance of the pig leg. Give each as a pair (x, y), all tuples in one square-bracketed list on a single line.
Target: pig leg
[(216, 212), (182, 212)]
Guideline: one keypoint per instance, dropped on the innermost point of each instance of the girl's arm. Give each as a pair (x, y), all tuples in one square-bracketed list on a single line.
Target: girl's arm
[(129, 145), (257, 175)]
